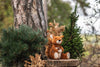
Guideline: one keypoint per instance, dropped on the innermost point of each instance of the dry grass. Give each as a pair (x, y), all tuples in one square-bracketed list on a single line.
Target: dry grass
[(35, 61)]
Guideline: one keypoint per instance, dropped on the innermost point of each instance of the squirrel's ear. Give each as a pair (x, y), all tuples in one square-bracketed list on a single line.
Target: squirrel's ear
[(62, 36), (51, 36)]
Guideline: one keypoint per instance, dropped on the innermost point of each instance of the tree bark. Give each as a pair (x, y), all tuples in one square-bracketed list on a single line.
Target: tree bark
[(45, 9), (31, 13)]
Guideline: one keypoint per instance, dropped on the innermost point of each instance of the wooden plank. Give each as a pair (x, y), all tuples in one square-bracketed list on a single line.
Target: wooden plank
[(62, 63)]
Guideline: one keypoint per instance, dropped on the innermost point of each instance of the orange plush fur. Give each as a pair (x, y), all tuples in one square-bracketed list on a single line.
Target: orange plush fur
[(55, 31), (65, 55), (55, 52), (49, 44)]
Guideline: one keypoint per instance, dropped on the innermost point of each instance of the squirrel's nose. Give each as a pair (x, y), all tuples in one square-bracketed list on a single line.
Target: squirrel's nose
[(59, 40)]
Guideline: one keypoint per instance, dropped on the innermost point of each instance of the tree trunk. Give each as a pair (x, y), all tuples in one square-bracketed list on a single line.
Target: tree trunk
[(45, 9), (31, 13)]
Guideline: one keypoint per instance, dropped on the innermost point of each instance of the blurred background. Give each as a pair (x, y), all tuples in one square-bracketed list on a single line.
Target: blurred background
[(60, 10)]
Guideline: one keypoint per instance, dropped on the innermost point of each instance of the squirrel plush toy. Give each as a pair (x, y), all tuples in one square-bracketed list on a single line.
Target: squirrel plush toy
[(56, 50)]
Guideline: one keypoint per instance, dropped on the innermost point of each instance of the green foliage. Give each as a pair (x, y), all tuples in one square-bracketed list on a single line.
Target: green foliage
[(6, 14), (59, 11), (72, 42), (18, 44)]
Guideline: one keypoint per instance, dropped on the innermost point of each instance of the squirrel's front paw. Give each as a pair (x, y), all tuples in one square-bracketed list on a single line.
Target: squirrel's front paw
[(60, 50)]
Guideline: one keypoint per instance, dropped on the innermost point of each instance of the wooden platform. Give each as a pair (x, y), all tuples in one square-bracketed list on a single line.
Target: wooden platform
[(62, 63)]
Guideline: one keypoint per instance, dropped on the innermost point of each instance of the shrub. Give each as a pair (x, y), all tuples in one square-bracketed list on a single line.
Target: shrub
[(72, 42), (18, 44)]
